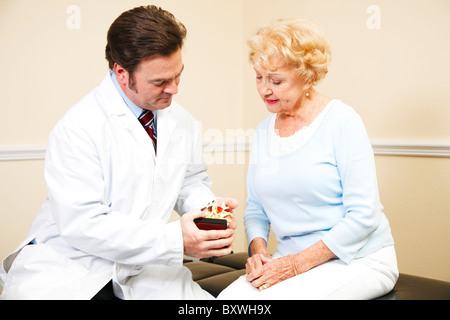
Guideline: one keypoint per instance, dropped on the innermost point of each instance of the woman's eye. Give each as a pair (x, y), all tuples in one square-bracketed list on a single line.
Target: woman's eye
[(276, 82)]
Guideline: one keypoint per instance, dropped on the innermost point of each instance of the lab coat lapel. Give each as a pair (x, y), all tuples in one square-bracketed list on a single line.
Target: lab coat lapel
[(116, 107), (165, 128)]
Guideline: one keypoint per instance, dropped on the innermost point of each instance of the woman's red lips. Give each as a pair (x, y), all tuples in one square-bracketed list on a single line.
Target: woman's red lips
[(269, 101)]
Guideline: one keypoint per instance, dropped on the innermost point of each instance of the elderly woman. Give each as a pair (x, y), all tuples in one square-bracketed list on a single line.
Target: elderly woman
[(312, 179)]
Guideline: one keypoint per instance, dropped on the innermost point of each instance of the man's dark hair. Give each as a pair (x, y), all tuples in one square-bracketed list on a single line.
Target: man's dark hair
[(140, 33)]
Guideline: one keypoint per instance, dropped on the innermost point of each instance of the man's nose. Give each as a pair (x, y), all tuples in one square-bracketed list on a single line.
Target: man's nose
[(171, 87)]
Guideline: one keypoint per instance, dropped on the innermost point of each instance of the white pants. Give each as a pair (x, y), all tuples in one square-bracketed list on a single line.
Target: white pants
[(160, 283), (40, 273), (364, 278)]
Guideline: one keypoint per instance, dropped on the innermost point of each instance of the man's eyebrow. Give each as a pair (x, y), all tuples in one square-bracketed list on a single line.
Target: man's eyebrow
[(165, 80)]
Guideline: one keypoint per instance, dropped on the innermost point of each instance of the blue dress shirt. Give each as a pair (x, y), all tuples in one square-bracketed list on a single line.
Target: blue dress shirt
[(133, 107)]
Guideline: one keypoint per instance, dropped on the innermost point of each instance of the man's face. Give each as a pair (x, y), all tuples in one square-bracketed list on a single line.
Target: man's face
[(154, 81)]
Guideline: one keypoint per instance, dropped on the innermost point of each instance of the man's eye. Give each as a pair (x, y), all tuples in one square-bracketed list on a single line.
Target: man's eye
[(158, 83)]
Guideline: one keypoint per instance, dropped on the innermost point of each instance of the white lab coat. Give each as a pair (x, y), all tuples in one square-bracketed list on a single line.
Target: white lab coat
[(109, 203)]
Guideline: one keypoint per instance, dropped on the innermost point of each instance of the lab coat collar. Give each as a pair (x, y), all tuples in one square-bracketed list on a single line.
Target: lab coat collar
[(114, 105)]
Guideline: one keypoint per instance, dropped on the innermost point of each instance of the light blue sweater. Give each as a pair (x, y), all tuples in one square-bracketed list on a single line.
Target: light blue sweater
[(326, 190)]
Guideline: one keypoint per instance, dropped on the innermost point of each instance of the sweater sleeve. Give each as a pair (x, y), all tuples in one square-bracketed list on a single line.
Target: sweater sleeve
[(356, 165), (257, 224)]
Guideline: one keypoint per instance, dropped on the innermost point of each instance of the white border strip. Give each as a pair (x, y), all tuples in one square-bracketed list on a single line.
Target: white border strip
[(412, 148), (395, 148), (22, 153)]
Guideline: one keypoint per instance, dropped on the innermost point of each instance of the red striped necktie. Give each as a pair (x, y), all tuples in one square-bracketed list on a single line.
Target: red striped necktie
[(147, 120)]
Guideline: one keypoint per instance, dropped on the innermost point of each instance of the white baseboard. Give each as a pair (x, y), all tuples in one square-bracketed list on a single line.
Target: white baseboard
[(22, 153), (412, 148), (385, 147)]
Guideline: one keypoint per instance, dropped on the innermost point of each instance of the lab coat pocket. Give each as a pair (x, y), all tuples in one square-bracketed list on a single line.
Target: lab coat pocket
[(39, 272)]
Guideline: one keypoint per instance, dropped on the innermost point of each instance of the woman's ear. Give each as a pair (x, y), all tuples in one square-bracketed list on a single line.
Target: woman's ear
[(309, 83)]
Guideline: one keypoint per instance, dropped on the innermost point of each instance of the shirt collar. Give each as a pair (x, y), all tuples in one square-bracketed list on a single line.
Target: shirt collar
[(130, 104)]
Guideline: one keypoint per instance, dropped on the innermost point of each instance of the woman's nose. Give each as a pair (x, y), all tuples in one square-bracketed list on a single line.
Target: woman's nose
[(264, 90)]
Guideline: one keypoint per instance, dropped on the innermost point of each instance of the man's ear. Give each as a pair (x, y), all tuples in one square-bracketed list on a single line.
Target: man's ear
[(122, 75)]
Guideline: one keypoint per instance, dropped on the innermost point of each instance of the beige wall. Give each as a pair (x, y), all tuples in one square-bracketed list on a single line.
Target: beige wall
[(397, 77), (415, 194), (396, 74)]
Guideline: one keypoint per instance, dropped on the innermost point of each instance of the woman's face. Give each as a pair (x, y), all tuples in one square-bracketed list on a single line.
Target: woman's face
[(282, 90)]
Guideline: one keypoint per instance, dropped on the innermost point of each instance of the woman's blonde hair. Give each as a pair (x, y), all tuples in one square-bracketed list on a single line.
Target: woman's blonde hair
[(299, 43)]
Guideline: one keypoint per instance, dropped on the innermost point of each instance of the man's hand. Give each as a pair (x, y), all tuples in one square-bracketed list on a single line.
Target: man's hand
[(204, 243)]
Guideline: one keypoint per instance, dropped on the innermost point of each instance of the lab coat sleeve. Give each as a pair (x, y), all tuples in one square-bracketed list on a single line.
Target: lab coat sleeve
[(196, 189), (76, 188)]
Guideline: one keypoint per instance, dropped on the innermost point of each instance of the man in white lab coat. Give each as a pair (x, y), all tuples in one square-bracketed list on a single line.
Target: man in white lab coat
[(104, 228)]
